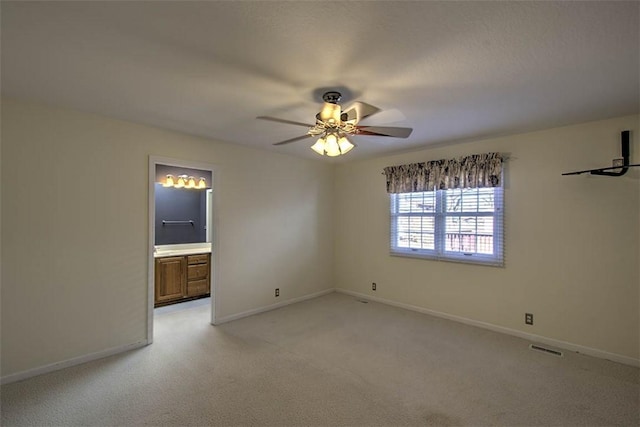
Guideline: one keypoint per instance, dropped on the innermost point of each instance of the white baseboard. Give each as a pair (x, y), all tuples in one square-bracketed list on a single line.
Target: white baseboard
[(19, 376), (532, 337), (248, 313)]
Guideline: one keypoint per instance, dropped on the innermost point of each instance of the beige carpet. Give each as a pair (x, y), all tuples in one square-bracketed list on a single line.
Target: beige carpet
[(327, 362)]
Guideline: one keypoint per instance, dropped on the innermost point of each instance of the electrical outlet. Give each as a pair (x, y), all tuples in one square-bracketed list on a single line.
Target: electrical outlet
[(373, 286), (528, 318), (277, 292), (618, 162)]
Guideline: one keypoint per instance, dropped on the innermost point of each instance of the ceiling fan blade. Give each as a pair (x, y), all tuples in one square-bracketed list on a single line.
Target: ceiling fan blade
[(288, 141), (290, 122), (358, 111), (394, 132)]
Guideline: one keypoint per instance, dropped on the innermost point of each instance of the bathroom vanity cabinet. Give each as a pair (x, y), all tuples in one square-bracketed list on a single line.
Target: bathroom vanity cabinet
[(180, 278)]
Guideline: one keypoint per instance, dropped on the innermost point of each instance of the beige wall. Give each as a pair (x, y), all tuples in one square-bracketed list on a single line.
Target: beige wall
[(75, 230), (571, 241), (74, 256)]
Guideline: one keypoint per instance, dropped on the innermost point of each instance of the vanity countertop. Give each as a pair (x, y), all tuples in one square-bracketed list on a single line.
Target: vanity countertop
[(161, 251)]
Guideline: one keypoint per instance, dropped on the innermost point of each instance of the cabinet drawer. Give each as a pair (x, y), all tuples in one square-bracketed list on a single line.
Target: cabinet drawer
[(198, 271), (197, 287), (197, 259)]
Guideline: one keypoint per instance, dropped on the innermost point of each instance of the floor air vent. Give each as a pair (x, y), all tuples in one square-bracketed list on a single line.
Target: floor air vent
[(545, 350)]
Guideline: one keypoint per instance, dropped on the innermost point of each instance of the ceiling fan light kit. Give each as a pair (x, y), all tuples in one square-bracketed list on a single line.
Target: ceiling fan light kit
[(333, 125), (332, 145)]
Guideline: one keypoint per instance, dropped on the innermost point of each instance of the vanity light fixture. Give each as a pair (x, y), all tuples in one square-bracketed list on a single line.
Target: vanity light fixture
[(185, 181)]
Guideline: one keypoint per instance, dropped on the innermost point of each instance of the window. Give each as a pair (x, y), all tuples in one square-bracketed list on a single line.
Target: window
[(458, 225)]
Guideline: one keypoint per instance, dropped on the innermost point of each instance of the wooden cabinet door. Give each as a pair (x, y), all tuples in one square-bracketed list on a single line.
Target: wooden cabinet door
[(170, 278)]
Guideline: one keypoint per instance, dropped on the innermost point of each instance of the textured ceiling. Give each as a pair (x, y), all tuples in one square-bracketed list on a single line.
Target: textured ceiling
[(451, 70)]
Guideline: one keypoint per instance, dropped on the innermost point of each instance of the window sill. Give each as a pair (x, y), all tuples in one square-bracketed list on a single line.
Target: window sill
[(459, 260)]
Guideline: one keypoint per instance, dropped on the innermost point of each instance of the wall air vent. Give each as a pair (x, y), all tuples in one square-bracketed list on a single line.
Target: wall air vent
[(538, 347)]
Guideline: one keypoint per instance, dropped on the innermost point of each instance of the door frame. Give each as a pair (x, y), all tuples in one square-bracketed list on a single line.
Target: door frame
[(213, 221)]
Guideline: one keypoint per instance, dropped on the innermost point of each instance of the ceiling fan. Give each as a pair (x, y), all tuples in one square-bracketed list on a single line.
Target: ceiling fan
[(333, 126)]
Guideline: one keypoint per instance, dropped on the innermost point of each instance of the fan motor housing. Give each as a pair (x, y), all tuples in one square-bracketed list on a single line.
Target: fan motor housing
[(332, 97)]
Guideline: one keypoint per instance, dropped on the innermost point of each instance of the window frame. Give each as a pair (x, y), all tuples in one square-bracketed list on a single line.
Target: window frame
[(440, 216)]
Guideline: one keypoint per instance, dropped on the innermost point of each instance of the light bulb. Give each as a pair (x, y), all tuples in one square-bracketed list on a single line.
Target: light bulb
[(318, 147), (181, 182), (169, 182), (202, 183), (345, 145), (191, 183), (332, 147), (330, 113)]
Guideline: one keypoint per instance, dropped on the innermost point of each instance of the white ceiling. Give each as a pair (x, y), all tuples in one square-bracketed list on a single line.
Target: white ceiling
[(451, 70)]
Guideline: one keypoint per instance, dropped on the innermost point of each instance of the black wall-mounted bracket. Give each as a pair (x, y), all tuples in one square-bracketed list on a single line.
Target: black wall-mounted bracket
[(620, 170)]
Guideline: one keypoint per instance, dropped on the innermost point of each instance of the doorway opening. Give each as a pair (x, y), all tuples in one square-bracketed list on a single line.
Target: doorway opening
[(182, 238)]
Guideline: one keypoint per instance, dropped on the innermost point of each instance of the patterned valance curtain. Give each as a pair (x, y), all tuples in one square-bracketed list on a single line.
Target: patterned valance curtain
[(475, 171)]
